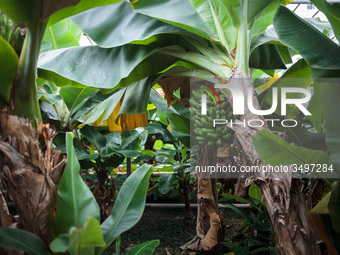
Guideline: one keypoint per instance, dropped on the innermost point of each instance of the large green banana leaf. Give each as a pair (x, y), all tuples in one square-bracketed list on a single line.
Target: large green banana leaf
[(330, 98), (22, 11), (332, 12), (175, 12), (128, 207), (83, 5), (92, 66), (76, 202), (131, 102), (255, 7), (275, 151), (100, 67), (319, 51), (117, 24), (19, 239)]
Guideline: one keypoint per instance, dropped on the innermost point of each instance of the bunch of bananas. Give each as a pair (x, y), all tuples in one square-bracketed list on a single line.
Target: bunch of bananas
[(12, 33), (203, 128)]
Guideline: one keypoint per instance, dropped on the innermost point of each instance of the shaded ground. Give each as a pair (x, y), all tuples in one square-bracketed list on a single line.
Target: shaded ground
[(169, 227)]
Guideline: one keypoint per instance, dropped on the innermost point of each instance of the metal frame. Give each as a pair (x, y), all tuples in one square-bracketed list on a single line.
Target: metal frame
[(309, 2)]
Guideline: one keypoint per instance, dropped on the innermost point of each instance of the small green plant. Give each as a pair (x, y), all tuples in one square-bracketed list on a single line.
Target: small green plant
[(257, 234), (75, 225)]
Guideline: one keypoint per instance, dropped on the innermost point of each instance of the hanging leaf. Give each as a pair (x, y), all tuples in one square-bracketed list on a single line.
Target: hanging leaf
[(172, 84), (92, 66), (319, 51), (332, 12), (179, 123), (83, 5), (104, 110), (117, 24), (175, 12)]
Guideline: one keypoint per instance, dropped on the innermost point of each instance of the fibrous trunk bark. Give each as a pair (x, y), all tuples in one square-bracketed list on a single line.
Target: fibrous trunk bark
[(209, 228), (104, 194), (31, 177), (294, 230)]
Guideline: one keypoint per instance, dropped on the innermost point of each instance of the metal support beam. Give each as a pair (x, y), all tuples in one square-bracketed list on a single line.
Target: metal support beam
[(309, 2), (128, 166)]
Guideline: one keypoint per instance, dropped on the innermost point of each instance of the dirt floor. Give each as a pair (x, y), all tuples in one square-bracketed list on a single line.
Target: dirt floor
[(169, 226)]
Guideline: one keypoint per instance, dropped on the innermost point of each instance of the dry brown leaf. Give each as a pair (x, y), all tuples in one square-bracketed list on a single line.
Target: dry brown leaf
[(171, 84)]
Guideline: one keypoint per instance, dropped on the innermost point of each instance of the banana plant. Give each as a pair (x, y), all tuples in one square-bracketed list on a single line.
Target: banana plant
[(33, 169), (324, 67), (212, 40), (75, 224)]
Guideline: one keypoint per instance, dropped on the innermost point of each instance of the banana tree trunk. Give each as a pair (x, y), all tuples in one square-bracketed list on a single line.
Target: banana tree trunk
[(31, 177), (209, 228), (294, 230)]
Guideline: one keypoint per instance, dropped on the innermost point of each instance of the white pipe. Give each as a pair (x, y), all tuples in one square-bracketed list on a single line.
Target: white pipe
[(243, 206), (153, 174)]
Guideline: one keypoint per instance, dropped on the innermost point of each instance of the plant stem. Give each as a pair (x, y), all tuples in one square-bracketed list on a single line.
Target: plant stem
[(243, 42), (118, 245), (24, 99)]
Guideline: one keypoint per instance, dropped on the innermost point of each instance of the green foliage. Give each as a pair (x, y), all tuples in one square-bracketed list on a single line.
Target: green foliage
[(76, 202), (330, 95), (12, 33), (61, 35), (123, 60), (325, 215), (77, 217), (22, 240), (334, 206), (257, 234), (181, 14), (165, 183), (110, 29), (332, 12), (9, 64), (319, 51), (82, 240), (254, 8), (83, 5), (275, 151), (128, 207), (19, 11), (143, 248)]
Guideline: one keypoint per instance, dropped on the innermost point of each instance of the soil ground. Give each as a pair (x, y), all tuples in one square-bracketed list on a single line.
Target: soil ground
[(169, 226)]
